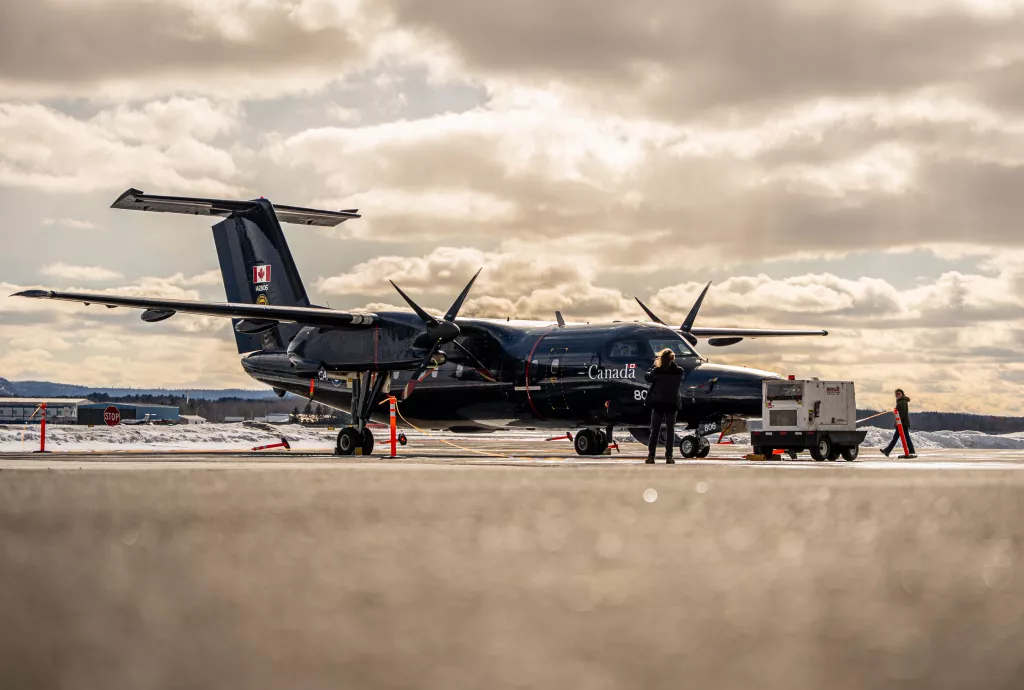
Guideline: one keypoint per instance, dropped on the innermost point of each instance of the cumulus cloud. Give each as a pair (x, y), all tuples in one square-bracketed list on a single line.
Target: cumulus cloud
[(685, 57), (89, 274), (73, 223), (166, 122), (128, 49), (98, 153), (829, 175)]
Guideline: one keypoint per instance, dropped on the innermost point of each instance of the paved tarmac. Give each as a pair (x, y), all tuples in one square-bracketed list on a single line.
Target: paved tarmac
[(532, 568)]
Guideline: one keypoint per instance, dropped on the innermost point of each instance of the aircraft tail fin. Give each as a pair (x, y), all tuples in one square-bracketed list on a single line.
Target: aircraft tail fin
[(258, 268), (255, 261)]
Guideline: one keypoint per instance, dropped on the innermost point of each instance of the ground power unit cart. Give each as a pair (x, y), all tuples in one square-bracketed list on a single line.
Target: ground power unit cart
[(819, 416)]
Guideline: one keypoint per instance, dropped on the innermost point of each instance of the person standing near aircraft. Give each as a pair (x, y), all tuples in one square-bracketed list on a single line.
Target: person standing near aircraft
[(903, 408), (663, 397)]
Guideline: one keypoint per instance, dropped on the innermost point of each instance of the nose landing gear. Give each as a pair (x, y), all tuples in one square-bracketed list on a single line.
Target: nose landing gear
[(591, 441), (694, 446)]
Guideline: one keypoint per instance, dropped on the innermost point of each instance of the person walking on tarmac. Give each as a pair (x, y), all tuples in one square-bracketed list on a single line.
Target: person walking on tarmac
[(903, 408), (663, 397)]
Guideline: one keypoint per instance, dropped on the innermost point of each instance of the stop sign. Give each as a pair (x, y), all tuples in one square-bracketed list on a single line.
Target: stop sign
[(112, 416)]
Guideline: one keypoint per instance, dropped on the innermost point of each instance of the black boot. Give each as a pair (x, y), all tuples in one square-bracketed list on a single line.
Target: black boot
[(669, 460), (650, 460)]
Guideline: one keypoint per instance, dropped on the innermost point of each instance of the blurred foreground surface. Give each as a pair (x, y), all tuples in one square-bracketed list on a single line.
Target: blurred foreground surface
[(390, 575)]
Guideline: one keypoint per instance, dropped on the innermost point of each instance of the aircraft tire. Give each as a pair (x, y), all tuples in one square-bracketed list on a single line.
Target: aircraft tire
[(850, 453), (703, 448), (688, 446), (367, 442), (601, 444), (585, 442), (348, 440), (822, 450)]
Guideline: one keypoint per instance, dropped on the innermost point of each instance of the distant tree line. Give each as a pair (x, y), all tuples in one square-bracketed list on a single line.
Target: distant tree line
[(219, 410), (949, 421)]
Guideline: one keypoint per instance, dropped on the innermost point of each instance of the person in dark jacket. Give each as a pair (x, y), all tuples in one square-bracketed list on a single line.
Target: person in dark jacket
[(663, 399), (903, 408)]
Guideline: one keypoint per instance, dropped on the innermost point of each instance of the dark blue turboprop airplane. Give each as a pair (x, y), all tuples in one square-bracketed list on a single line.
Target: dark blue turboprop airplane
[(468, 374)]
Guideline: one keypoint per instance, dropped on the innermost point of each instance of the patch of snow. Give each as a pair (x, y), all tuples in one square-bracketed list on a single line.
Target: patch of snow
[(241, 437), (931, 440), (154, 437)]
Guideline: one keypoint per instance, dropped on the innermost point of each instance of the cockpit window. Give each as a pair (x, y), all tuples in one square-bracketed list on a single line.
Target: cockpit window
[(625, 349), (680, 347)]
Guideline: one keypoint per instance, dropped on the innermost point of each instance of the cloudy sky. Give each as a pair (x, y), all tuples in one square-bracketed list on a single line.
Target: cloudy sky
[(852, 166)]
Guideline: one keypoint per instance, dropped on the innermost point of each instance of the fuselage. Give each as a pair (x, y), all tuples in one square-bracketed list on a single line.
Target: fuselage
[(532, 374)]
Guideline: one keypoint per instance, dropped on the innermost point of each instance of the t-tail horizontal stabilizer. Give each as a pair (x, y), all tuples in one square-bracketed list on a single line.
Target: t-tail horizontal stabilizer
[(135, 200)]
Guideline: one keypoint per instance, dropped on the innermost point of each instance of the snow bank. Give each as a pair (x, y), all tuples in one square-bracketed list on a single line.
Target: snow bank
[(245, 436), (932, 440), (146, 437)]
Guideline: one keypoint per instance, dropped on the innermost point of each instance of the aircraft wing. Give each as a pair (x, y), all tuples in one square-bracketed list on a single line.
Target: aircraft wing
[(750, 332), (256, 317)]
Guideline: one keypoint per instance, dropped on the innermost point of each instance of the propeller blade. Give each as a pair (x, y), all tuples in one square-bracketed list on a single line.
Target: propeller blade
[(688, 322), (453, 311), (650, 314), (484, 371), (427, 318), (420, 372)]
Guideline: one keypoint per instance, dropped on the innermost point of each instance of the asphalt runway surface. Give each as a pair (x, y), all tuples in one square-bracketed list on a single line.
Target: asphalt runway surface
[(529, 568)]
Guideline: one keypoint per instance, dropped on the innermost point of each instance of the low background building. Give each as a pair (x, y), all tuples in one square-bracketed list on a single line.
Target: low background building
[(24, 410), (92, 413)]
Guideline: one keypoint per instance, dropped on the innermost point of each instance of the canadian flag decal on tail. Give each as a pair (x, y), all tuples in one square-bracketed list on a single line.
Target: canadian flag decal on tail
[(261, 274)]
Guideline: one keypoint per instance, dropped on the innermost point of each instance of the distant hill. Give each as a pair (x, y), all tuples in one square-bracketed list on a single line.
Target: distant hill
[(47, 389), (949, 421)]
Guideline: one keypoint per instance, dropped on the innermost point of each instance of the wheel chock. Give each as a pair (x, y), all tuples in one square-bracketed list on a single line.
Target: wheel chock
[(282, 444)]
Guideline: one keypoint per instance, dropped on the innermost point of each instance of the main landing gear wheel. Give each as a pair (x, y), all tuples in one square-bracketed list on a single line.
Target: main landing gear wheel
[(349, 439), (703, 447), (585, 442), (822, 450), (689, 446), (850, 453)]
